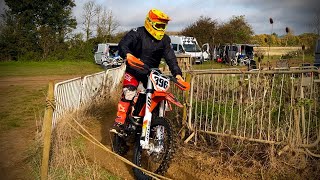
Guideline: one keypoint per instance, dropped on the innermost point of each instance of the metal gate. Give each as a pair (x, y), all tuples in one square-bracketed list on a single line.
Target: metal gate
[(276, 107)]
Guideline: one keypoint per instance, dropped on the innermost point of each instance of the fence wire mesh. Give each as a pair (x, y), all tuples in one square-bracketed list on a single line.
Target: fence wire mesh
[(276, 107), (71, 94), (270, 107)]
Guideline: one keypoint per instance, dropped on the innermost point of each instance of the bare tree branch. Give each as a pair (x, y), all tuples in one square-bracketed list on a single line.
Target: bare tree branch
[(107, 25), (88, 17)]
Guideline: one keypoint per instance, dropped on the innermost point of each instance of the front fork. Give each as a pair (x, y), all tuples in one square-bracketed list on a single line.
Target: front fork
[(144, 139)]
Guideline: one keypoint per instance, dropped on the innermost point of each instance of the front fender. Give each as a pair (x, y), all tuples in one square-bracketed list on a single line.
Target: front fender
[(170, 97), (160, 96)]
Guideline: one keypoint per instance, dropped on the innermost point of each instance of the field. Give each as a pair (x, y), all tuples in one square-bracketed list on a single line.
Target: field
[(276, 51), (23, 87)]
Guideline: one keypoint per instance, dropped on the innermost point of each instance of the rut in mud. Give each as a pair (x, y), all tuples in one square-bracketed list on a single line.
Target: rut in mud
[(222, 158)]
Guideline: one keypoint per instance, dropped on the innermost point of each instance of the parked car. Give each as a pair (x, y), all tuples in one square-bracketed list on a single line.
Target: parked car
[(236, 54), (106, 55), (187, 45)]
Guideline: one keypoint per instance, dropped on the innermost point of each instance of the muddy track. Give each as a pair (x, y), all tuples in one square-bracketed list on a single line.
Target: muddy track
[(32, 80), (186, 163), (16, 142)]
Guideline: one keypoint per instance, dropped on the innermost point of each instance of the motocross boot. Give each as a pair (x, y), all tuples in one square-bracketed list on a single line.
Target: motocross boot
[(118, 126)]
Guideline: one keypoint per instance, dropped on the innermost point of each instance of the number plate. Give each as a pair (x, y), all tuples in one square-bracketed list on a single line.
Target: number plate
[(160, 83)]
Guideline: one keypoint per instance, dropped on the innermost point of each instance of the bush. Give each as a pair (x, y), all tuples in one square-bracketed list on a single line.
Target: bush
[(292, 54)]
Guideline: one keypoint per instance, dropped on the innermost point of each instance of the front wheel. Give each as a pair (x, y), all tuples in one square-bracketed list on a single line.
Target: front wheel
[(119, 145), (158, 157)]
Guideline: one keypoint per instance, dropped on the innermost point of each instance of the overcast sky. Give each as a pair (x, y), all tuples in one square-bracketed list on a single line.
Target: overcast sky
[(295, 14)]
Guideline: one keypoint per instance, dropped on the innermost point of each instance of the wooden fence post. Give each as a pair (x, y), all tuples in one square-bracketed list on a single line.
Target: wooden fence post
[(46, 129), (185, 106)]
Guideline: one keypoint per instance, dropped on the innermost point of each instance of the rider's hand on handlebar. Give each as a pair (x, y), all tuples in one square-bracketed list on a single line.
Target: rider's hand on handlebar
[(134, 62), (179, 77), (137, 64), (183, 85)]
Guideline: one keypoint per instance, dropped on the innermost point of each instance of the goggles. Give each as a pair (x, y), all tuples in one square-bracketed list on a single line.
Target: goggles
[(158, 25)]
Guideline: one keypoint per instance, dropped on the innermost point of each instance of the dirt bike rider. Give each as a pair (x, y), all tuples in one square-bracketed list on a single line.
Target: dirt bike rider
[(149, 43)]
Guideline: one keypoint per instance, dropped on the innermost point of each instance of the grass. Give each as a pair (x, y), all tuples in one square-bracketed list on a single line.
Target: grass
[(210, 65), (12, 68), (20, 104), (295, 61), (73, 157)]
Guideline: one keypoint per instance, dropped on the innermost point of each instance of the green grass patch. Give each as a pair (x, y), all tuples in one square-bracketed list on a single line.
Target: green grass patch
[(211, 65), (32, 68), (20, 105), (25, 103), (295, 60)]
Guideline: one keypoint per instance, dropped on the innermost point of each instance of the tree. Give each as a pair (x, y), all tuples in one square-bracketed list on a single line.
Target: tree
[(260, 39), (18, 35), (118, 36), (309, 40), (236, 30), (106, 24), (89, 10), (9, 38), (98, 11), (203, 29), (30, 23)]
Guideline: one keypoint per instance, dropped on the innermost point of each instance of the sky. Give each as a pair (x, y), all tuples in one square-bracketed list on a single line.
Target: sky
[(295, 14)]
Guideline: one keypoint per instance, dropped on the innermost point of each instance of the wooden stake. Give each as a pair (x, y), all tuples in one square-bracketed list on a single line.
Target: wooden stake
[(47, 126), (185, 106)]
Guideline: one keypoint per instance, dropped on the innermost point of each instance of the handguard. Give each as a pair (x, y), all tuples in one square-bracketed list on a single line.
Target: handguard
[(181, 84), (136, 63)]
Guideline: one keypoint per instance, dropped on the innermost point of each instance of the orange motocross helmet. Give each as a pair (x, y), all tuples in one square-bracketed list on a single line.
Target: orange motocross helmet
[(156, 23)]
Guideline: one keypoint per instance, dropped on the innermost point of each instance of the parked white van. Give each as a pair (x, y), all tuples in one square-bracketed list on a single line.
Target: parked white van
[(187, 45), (106, 54)]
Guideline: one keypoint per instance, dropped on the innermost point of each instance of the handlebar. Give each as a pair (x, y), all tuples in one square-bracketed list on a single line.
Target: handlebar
[(183, 85), (137, 64)]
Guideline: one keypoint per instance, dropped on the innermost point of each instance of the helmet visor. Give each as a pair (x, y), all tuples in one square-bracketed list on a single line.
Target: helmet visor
[(159, 25)]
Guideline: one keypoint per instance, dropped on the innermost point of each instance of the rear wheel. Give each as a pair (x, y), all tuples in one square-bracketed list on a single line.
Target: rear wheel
[(158, 157)]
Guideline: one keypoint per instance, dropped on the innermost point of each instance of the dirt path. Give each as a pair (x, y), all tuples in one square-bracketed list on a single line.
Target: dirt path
[(187, 163), (31, 81), (15, 142)]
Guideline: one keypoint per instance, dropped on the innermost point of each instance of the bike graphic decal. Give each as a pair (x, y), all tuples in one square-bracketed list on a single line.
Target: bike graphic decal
[(160, 83), (144, 139)]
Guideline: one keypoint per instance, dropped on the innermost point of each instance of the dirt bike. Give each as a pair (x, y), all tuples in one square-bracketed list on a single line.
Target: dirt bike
[(146, 126), (111, 62)]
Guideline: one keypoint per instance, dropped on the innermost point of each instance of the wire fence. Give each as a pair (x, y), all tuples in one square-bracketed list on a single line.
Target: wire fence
[(276, 107), (71, 94)]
